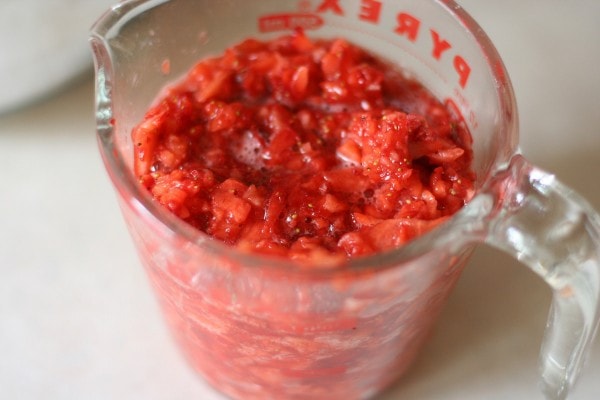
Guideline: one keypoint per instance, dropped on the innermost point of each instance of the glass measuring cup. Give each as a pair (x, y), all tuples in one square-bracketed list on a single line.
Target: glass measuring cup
[(259, 328)]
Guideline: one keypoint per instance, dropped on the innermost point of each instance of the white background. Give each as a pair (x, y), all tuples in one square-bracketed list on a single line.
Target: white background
[(78, 320)]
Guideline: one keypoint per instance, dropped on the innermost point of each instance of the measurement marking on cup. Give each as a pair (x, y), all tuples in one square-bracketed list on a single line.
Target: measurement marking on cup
[(279, 22)]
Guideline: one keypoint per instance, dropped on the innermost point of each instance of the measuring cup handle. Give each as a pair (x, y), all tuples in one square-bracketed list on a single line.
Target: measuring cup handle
[(555, 233)]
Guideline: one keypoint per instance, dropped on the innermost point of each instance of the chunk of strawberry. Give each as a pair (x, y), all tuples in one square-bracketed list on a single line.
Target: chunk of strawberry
[(230, 210)]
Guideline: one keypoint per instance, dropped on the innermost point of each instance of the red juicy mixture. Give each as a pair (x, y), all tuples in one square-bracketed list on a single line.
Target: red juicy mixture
[(309, 149)]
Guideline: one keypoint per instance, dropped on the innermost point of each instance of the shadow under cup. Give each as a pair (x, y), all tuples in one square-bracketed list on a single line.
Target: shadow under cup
[(258, 328)]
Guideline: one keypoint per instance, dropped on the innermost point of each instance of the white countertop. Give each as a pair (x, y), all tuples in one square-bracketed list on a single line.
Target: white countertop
[(78, 320)]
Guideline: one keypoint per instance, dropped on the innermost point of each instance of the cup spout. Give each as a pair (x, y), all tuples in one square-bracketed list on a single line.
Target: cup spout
[(103, 88)]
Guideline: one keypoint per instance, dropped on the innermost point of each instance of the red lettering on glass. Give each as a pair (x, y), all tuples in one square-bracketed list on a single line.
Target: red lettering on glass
[(463, 69), (408, 25), (370, 11), (439, 45), (333, 5)]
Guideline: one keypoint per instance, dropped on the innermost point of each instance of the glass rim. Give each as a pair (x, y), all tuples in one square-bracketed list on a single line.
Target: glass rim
[(141, 202)]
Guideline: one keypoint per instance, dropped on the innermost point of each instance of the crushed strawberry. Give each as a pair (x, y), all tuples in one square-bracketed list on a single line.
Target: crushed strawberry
[(310, 149)]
